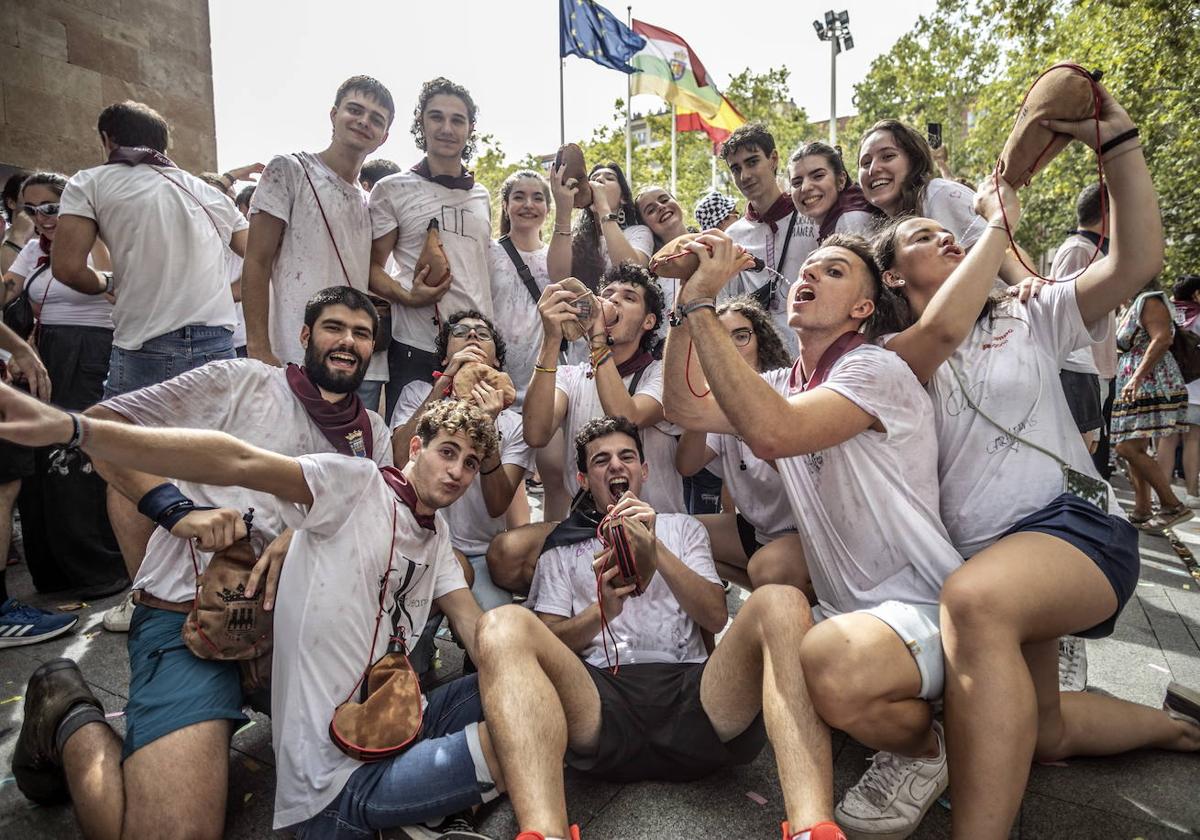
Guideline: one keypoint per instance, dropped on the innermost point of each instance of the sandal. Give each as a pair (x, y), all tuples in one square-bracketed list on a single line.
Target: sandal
[(1142, 523), (1168, 517)]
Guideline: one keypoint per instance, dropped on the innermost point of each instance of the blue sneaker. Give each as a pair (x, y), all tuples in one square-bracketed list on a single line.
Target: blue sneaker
[(21, 624)]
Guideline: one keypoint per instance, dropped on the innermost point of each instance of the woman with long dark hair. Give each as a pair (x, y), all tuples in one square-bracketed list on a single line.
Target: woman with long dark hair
[(822, 191), (73, 335)]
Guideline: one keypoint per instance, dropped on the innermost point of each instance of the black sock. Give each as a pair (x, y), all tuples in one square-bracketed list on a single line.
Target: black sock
[(77, 716)]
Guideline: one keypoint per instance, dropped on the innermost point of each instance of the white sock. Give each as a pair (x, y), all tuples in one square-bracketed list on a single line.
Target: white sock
[(482, 774), (803, 835)]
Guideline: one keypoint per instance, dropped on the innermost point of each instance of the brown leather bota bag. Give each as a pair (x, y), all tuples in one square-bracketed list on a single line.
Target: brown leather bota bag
[(570, 156), (588, 307), (433, 255), (473, 372), (675, 260), (224, 623), (1064, 92), (634, 551)]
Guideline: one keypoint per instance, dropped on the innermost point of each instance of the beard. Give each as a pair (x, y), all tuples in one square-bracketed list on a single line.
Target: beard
[(320, 374)]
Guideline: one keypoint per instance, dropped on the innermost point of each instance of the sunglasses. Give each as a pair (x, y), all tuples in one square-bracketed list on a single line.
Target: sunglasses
[(464, 330), (741, 336), (47, 209)]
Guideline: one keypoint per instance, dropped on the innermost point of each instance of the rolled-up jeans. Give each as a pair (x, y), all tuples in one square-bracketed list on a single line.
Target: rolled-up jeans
[(165, 356)]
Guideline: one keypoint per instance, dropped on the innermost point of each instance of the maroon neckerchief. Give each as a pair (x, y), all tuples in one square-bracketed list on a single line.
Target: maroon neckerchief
[(781, 209), (464, 181), (844, 344), (1190, 310), (45, 257), (849, 200), (407, 494), (344, 423), (633, 364), (133, 155)]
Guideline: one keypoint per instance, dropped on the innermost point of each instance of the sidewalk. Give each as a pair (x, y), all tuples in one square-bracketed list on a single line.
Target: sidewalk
[(1141, 795)]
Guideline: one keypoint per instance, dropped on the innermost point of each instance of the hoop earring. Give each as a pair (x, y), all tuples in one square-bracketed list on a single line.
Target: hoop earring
[(621, 217)]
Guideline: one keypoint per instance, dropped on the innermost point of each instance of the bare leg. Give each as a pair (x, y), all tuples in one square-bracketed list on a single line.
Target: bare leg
[(782, 561), (863, 681), (537, 698), (757, 666), (1135, 454), (1191, 460), (1006, 606), (1164, 454), (131, 529), (8, 497), (142, 799), (512, 556)]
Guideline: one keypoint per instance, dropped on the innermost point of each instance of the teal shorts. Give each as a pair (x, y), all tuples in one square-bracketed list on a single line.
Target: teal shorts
[(170, 687)]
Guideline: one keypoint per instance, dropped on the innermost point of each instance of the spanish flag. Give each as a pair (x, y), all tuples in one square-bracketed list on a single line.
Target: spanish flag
[(669, 69), (718, 128)]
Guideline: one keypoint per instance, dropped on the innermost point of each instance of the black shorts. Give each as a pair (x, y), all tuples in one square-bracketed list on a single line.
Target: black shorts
[(748, 537), (1110, 541), (1083, 398), (652, 727), (16, 462)]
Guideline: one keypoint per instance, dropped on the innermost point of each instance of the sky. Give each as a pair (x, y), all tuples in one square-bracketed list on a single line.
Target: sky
[(278, 63)]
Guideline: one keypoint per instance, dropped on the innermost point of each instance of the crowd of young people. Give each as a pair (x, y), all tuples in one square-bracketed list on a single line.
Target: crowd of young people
[(902, 443)]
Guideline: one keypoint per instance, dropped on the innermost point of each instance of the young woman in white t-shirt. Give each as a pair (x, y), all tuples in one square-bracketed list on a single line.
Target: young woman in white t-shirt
[(608, 232), (663, 215), (757, 543), (1043, 562), (822, 190)]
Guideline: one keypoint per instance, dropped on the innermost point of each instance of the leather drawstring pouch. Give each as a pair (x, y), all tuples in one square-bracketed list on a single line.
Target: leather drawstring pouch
[(570, 156), (382, 715)]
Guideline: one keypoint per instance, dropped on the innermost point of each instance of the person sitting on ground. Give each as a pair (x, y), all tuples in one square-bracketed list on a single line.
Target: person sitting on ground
[(477, 517), (666, 710), (622, 380), (182, 710), (368, 541), (851, 432), (1050, 553), (756, 543)]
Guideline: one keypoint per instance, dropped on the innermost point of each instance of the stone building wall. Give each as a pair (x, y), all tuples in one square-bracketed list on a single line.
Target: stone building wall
[(62, 61)]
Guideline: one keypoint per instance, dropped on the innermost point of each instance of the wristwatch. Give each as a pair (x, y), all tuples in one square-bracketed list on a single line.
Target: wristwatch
[(610, 217)]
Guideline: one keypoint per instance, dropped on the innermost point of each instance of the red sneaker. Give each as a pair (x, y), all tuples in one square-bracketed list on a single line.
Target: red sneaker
[(534, 835), (820, 831)]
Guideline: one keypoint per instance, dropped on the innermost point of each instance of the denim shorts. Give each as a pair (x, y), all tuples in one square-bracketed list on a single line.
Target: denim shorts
[(170, 687), (433, 778), (166, 356)]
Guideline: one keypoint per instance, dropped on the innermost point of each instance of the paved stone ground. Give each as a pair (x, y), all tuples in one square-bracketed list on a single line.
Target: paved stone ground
[(1142, 795)]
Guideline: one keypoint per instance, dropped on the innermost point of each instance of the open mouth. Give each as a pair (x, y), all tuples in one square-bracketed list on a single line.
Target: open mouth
[(812, 200), (342, 360), (617, 487), (878, 183), (805, 294)]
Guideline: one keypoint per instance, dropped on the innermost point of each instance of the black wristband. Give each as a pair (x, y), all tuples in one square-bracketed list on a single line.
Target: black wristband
[(165, 505), (1118, 140), (76, 432)]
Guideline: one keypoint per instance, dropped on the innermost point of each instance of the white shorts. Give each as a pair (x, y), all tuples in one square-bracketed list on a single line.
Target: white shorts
[(919, 627)]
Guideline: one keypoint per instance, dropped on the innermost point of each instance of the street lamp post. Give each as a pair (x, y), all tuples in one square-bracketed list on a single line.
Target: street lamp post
[(835, 30)]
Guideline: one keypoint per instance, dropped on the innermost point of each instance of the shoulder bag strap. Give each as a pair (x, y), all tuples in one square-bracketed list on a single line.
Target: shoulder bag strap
[(522, 269), (325, 219), (787, 240)]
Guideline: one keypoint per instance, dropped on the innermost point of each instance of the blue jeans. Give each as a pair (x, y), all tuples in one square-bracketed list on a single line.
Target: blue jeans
[(369, 392), (166, 356), (433, 778)]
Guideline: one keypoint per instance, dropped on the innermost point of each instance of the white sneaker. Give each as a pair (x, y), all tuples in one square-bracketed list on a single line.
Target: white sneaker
[(891, 798), (116, 619), (1072, 664)]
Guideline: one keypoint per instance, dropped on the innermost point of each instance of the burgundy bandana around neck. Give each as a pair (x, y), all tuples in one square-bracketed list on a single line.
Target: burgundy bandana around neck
[(133, 155), (407, 494), (344, 423), (850, 200), (781, 209), (843, 345), (45, 245), (633, 364), (464, 181)]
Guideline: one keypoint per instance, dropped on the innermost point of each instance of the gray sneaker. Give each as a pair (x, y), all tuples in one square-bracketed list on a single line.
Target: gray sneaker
[(1072, 664), (117, 619), (460, 826), (891, 798)]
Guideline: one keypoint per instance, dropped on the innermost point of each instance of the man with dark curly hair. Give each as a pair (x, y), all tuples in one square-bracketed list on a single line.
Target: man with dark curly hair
[(438, 194)]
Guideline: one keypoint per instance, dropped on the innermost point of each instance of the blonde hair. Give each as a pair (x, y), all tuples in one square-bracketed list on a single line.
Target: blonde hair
[(454, 416)]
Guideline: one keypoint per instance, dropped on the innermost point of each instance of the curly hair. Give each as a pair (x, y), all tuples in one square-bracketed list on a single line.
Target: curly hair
[(443, 336), (771, 352), (652, 295), (603, 427), (891, 309), (454, 416), (432, 88), (587, 264), (920, 163), (506, 190)]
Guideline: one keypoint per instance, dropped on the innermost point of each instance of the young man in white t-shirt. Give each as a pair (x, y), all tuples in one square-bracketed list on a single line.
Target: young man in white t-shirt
[(665, 710), (479, 515), (439, 191), (851, 431), (310, 226), (771, 229), (368, 542), (622, 380), (167, 232), (182, 710)]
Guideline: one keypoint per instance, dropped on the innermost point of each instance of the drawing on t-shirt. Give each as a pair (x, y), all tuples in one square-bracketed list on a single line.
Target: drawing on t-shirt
[(454, 220)]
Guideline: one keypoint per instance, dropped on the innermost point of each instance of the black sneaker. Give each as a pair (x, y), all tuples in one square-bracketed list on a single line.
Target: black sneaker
[(1183, 702), (460, 826), (53, 689)]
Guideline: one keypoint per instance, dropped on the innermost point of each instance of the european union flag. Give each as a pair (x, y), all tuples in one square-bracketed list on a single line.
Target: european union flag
[(590, 31)]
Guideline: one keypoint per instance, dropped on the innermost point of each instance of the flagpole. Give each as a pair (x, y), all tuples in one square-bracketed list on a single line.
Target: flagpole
[(562, 120), (629, 109), (713, 159), (674, 155)]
